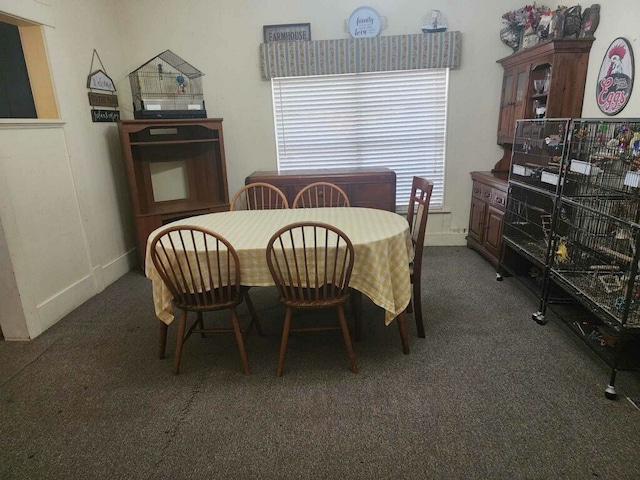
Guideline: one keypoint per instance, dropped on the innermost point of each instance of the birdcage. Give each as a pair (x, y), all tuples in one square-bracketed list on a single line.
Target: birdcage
[(167, 86), (603, 167), (538, 151), (598, 231)]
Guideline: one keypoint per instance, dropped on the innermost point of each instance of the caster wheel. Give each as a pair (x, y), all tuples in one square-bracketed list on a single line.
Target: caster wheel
[(498, 277), (610, 392), (538, 317)]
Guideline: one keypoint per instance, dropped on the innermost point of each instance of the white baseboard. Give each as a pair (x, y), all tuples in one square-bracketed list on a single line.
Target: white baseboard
[(445, 239), (113, 270), (55, 308)]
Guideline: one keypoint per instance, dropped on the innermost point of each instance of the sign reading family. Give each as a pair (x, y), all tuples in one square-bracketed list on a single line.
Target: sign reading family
[(292, 32), (364, 22), (615, 80)]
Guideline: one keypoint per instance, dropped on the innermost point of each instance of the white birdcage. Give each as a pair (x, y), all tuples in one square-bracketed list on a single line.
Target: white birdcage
[(167, 86)]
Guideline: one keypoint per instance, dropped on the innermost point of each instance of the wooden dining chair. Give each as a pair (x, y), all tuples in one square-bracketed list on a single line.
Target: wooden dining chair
[(259, 196), (311, 265), (206, 278), (321, 194), (417, 215)]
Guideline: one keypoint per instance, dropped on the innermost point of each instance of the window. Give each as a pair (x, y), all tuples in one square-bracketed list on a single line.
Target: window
[(26, 89), (16, 100), (383, 119)]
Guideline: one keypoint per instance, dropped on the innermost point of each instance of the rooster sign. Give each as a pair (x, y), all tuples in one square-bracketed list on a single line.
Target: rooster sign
[(615, 80)]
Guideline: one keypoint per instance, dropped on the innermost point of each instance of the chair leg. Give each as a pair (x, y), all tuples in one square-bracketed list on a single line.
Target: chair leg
[(179, 342), (347, 339), (285, 338), (240, 341), (417, 301), (402, 327), (201, 324), (356, 307), (162, 339), (254, 314)]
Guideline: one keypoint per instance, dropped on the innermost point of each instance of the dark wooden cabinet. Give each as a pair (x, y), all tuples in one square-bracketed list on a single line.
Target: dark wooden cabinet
[(175, 169), (365, 187), (563, 64), (550, 76), (488, 202)]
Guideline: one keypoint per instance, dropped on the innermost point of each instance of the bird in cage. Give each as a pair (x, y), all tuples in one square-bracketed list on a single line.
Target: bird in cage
[(182, 84), (562, 253)]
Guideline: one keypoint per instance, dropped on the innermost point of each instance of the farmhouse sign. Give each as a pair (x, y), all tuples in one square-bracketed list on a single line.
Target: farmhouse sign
[(292, 32)]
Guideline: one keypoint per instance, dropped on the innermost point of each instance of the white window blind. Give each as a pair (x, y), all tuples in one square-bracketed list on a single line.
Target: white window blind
[(383, 119)]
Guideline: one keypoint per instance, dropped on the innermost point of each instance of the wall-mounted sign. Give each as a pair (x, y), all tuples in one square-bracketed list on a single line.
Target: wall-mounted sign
[(615, 80), (365, 22), (105, 115), (292, 32), (100, 81), (103, 100)]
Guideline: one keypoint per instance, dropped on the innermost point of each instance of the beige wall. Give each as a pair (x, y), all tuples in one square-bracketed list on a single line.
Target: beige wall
[(67, 228), (63, 201)]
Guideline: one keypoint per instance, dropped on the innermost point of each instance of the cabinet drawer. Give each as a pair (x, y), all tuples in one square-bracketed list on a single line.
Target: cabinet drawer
[(499, 199), (477, 189), (487, 193), (373, 192)]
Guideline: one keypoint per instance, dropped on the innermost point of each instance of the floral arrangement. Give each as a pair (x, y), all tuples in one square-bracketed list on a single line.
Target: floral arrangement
[(519, 27), (526, 17)]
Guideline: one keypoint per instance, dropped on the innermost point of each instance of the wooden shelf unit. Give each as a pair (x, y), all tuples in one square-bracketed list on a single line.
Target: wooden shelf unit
[(193, 149), (566, 60)]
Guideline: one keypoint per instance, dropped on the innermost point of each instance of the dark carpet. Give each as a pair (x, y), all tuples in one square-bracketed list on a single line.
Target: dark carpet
[(489, 394)]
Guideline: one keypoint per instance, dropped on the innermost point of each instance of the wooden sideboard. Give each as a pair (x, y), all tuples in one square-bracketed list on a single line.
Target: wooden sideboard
[(365, 187), (488, 203)]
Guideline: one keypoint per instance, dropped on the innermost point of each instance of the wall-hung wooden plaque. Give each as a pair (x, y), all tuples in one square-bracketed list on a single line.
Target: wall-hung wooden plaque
[(292, 32), (103, 100)]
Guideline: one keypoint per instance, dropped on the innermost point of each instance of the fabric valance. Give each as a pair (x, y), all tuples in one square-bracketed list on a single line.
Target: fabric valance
[(357, 55)]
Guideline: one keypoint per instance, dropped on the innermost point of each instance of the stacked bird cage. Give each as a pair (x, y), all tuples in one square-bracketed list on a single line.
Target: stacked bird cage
[(598, 226), (167, 86)]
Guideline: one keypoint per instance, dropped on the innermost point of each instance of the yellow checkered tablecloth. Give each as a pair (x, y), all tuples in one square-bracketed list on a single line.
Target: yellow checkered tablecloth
[(381, 241)]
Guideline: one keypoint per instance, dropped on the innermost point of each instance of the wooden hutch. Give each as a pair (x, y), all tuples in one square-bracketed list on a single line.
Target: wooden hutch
[(563, 64)]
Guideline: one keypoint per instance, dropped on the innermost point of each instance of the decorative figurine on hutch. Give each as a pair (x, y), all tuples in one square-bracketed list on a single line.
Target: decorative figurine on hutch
[(154, 92), (590, 20), (572, 22), (520, 26)]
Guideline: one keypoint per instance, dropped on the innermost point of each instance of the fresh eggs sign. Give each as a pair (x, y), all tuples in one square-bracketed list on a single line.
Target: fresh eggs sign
[(615, 79)]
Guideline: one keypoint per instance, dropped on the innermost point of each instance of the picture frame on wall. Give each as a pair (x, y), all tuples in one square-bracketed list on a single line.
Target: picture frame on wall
[(290, 32)]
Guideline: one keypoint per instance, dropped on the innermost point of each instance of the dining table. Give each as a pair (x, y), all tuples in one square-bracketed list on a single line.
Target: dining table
[(382, 251)]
